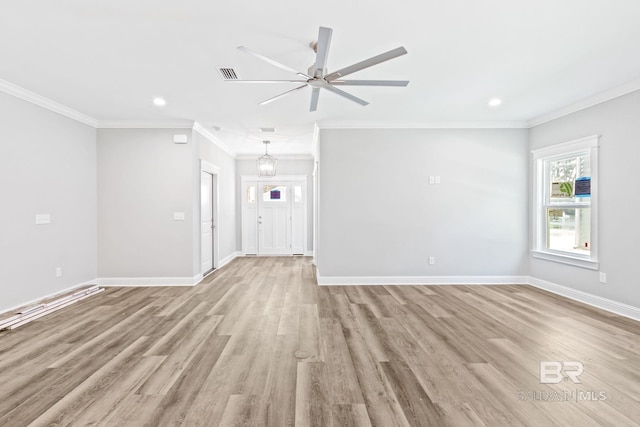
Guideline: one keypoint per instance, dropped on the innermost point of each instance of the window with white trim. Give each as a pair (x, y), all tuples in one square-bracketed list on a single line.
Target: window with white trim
[(565, 178)]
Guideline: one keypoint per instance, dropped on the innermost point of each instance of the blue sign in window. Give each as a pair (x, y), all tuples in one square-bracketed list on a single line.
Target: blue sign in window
[(583, 187), (275, 195)]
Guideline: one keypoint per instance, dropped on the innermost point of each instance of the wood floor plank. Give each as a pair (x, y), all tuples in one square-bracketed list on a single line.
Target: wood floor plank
[(313, 405), (65, 410), (259, 343), (177, 402)]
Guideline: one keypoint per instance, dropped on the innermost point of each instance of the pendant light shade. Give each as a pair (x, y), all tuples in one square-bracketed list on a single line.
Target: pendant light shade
[(266, 164)]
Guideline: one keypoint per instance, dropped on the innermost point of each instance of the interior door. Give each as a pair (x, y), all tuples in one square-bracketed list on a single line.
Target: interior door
[(274, 218), (249, 218), (206, 226)]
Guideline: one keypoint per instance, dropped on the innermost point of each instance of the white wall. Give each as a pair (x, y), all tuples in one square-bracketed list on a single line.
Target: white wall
[(285, 167), (143, 178), (379, 216), (47, 166), (618, 124), (227, 221)]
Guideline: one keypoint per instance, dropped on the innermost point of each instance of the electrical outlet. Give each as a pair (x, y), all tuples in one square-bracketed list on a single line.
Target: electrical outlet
[(603, 277), (432, 260), (432, 179), (59, 272)]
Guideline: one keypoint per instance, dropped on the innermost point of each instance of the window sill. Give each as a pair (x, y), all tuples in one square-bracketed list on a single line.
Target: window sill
[(566, 259)]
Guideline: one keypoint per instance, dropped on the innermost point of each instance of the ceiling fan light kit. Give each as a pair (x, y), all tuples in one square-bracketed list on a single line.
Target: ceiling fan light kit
[(318, 78), (266, 164)]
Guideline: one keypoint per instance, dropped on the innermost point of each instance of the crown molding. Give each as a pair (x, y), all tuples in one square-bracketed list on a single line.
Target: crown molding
[(197, 127), (142, 124), (591, 101), (49, 104), (423, 125)]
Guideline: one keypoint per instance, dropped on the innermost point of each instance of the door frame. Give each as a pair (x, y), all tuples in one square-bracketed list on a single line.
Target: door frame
[(278, 178), (214, 170)]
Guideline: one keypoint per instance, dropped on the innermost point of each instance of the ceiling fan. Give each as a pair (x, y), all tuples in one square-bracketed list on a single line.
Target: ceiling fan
[(317, 77)]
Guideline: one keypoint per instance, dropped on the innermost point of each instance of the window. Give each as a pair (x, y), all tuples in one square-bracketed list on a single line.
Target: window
[(251, 194), (565, 202), (297, 193), (274, 193)]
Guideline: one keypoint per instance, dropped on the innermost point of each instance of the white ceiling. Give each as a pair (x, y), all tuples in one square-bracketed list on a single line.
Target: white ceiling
[(108, 59)]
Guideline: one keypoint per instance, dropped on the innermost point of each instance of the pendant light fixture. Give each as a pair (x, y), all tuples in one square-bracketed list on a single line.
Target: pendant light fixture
[(266, 164)]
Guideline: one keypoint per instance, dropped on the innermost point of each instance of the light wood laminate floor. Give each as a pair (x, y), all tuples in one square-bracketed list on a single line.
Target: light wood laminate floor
[(224, 353)]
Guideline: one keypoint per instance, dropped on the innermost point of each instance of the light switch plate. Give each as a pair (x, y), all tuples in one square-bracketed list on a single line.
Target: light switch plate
[(43, 219), (178, 216)]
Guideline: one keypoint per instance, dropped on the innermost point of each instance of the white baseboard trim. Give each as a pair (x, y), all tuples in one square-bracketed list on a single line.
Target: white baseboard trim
[(53, 295), (587, 298), (308, 253), (226, 260), (149, 281), (421, 280)]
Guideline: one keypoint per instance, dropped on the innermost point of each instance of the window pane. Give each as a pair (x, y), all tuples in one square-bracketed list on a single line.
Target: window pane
[(569, 229), (563, 174), (251, 194), (274, 193), (297, 193)]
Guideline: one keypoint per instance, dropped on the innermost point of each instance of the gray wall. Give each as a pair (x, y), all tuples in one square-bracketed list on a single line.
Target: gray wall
[(47, 166), (285, 167), (228, 242), (379, 216), (143, 178), (618, 123)]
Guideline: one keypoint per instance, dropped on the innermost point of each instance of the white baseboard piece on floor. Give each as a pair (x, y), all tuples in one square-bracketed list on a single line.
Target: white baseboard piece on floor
[(420, 280), (587, 298), (53, 295), (149, 281), (226, 260)]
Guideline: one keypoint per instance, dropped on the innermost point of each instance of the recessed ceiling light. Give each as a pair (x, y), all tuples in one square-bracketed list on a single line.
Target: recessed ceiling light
[(267, 129), (494, 102), (159, 102)]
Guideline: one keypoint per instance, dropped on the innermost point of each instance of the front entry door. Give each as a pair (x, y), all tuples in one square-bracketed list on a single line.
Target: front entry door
[(274, 218)]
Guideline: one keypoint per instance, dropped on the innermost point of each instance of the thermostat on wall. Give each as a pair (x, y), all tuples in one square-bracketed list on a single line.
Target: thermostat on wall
[(180, 139)]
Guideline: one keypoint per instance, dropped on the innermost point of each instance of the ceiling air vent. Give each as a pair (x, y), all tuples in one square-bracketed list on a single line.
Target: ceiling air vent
[(228, 73)]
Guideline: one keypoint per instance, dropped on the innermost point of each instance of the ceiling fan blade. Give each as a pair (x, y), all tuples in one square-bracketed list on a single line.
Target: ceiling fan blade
[(315, 94), (322, 49), (345, 94), (369, 82), (394, 53), (281, 95), (267, 81), (272, 62)]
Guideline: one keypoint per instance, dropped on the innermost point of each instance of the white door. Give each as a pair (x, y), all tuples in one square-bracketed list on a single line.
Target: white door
[(274, 218), (250, 218), (206, 226), (298, 217)]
